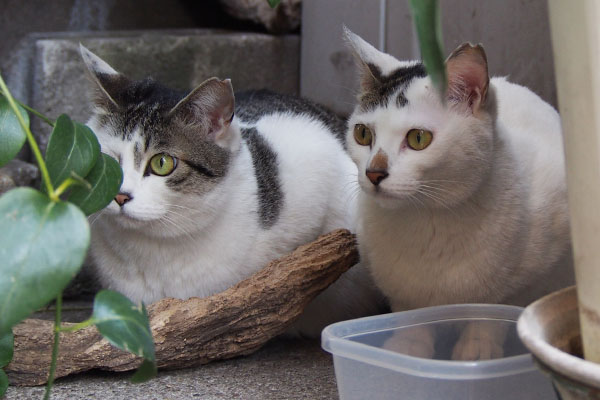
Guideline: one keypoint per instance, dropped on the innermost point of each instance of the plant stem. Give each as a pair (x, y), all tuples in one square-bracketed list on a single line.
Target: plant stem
[(76, 327), (31, 140), (57, 318), (69, 182), (33, 111)]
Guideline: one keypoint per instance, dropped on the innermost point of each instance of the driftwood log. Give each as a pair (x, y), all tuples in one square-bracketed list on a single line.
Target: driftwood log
[(196, 331)]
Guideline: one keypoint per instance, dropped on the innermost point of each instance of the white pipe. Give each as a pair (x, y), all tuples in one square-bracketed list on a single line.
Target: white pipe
[(576, 45)]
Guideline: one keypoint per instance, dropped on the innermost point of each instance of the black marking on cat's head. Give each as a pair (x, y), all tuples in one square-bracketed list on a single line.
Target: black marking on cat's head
[(270, 194), (376, 87), (383, 87)]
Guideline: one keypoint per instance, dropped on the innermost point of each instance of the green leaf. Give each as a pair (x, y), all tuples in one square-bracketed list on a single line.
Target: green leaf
[(106, 178), (426, 15), (72, 147), (3, 382), (126, 326), (12, 135), (6, 354), (273, 3), (6, 348), (145, 372), (43, 245)]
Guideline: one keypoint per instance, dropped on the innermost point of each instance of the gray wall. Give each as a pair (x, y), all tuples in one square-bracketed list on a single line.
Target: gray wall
[(515, 34)]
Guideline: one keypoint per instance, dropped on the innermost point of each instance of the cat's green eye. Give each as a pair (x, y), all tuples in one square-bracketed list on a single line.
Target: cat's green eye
[(418, 139), (363, 135), (162, 164)]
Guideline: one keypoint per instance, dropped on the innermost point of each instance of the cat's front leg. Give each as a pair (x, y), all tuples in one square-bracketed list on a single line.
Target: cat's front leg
[(416, 341), (480, 340)]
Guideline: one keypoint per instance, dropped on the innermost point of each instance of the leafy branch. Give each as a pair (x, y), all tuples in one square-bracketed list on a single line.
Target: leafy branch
[(32, 143), (45, 235)]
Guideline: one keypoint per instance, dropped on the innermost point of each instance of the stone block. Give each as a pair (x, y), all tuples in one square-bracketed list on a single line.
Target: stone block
[(22, 173), (179, 59)]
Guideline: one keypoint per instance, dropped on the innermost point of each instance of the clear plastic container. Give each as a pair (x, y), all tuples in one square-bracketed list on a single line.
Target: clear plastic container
[(365, 370)]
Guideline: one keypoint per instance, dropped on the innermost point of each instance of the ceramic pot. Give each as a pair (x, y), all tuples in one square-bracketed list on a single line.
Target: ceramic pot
[(549, 328)]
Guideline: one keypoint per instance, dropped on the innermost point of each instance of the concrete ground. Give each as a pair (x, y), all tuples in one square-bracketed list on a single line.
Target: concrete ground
[(283, 369)]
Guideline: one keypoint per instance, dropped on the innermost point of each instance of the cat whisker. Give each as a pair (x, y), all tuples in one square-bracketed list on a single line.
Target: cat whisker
[(95, 218), (437, 199), (443, 190), (182, 219), (182, 207), (433, 196), (178, 227), (435, 188)]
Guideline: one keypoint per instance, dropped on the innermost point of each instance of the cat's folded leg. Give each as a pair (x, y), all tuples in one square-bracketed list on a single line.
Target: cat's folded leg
[(480, 340), (416, 341)]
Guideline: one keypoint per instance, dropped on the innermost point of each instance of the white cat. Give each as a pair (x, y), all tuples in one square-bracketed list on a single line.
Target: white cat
[(462, 201), (208, 199)]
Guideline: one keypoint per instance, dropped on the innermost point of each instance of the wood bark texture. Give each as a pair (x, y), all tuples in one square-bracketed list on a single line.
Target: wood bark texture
[(196, 331)]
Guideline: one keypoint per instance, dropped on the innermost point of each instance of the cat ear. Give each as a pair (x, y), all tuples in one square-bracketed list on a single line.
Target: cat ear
[(371, 62), (468, 78), (108, 82), (211, 104)]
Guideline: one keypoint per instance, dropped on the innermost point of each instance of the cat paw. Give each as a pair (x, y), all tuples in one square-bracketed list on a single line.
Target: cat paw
[(479, 341), (415, 342)]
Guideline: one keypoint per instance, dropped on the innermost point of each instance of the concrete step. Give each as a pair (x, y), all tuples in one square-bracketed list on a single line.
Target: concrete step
[(50, 75)]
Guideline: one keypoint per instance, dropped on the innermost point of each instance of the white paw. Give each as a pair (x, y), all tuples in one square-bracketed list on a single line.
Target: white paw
[(479, 341), (413, 341)]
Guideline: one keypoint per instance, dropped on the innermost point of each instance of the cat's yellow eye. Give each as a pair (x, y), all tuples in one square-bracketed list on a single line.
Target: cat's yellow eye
[(363, 135), (418, 139), (162, 164)]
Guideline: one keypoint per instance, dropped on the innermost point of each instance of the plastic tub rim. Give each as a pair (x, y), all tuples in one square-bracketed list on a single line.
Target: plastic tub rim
[(334, 339)]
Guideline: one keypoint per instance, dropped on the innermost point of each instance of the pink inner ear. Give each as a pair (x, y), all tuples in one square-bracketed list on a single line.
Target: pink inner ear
[(220, 117), (467, 79)]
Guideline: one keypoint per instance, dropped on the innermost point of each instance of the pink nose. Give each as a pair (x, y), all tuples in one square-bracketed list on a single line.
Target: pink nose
[(122, 198), (376, 175)]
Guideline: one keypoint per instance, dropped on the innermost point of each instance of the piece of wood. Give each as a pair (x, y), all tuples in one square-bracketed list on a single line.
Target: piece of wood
[(196, 331)]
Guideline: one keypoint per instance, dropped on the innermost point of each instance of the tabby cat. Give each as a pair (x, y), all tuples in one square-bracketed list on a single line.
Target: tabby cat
[(209, 198)]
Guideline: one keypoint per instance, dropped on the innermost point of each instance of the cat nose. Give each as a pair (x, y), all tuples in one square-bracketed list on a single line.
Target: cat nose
[(122, 198), (376, 175)]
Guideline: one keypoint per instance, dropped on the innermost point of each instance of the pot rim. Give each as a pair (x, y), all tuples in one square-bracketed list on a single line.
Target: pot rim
[(551, 357)]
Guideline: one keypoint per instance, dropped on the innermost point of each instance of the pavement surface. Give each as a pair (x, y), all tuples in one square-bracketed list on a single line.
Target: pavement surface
[(282, 369)]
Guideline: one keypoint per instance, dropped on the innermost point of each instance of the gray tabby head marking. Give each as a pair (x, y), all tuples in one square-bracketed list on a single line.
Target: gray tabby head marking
[(192, 128)]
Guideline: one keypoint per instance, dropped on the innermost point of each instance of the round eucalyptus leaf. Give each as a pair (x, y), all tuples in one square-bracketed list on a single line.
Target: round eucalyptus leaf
[(42, 246), (7, 342), (3, 382), (124, 324), (105, 179), (12, 135), (72, 147)]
